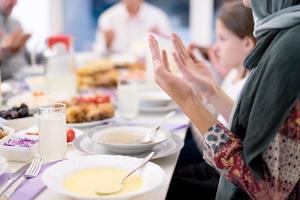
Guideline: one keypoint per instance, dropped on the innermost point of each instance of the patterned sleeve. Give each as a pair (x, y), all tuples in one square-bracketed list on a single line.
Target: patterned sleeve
[(223, 150)]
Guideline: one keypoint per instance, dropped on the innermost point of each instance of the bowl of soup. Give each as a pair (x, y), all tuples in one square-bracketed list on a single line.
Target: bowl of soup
[(82, 177), (126, 139)]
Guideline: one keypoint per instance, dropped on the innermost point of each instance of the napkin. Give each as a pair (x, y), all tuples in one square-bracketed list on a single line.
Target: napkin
[(31, 187)]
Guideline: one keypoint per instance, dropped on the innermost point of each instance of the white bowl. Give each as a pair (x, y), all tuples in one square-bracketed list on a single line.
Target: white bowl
[(17, 153), (117, 132), (153, 98), (152, 175), (21, 123)]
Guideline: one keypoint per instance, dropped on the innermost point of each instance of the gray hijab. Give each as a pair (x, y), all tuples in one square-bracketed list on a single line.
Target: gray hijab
[(274, 14)]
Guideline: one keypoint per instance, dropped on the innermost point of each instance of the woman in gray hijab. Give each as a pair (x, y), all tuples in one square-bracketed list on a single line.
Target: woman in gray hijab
[(258, 157)]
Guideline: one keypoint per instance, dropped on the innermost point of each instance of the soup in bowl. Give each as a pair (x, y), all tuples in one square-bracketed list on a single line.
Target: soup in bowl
[(126, 139), (82, 177)]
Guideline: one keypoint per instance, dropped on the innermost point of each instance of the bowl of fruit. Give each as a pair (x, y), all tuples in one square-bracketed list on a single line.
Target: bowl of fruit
[(18, 117)]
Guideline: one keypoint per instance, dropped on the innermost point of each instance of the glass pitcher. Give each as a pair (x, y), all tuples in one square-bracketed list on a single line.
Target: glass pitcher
[(60, 67)]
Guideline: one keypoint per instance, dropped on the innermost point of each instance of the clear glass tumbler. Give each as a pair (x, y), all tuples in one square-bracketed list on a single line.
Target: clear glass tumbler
[(52, 131), (128, 105)]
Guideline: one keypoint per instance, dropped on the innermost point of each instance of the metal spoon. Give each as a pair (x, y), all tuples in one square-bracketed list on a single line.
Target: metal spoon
[(113, 189), (149, 137)]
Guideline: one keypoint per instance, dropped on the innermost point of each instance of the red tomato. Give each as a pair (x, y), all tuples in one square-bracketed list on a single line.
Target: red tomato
[(70, 135), (98, 99), (103, 99)]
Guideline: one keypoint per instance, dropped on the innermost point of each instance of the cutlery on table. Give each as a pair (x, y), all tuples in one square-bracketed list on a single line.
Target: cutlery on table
[(32, 171), (13, 177)]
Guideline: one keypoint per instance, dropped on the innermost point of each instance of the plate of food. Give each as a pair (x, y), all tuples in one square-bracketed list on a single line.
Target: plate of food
[(91, 123), (86, 111)]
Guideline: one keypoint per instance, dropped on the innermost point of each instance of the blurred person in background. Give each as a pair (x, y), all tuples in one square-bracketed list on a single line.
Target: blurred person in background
[(129, 21), (258, 155), (234, 41), (13, 54), (208, 52)]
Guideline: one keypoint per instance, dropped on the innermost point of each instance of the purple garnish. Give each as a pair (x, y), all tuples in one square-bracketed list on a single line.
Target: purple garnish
[(21, 142)]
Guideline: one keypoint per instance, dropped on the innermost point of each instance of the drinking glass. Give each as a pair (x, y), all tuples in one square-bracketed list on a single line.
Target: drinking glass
[(52, 131), (128, 105)]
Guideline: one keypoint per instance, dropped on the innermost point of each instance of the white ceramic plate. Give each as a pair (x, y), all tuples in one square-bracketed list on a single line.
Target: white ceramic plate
[(169, 147), (117, 130), (154, 98), (151, 174), (89, 124), (158, 109)]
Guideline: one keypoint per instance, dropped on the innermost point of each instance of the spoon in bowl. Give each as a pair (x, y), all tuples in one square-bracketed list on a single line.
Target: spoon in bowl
[(117, 187), (151, 135)]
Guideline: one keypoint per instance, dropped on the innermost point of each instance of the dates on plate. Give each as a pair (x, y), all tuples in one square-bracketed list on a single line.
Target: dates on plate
[(16, 112)]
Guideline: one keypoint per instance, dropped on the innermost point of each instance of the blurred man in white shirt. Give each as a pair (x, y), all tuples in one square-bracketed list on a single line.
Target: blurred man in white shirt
[(128, 21)]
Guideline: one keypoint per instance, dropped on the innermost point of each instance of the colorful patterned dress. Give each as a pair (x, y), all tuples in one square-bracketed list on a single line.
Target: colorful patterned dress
[(223, 150)]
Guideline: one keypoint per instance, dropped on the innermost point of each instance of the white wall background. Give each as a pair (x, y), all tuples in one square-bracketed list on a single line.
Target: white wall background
[(40, 17), (201, 21)]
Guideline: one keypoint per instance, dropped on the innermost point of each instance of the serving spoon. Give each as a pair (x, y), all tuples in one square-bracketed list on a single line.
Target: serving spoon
[(117, 187)]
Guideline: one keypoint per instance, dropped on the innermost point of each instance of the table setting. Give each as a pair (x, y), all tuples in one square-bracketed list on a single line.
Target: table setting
[(97, 132)]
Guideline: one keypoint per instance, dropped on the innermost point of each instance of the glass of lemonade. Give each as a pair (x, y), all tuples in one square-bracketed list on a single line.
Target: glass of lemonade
[(52, 131), (128, 105)]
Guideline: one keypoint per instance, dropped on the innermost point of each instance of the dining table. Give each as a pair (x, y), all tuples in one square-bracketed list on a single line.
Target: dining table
[(167, 163)]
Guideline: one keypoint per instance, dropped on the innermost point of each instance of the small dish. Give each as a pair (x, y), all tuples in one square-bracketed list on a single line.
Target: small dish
[(124, 139), (18, 148), (21, 123), (154, 98)]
